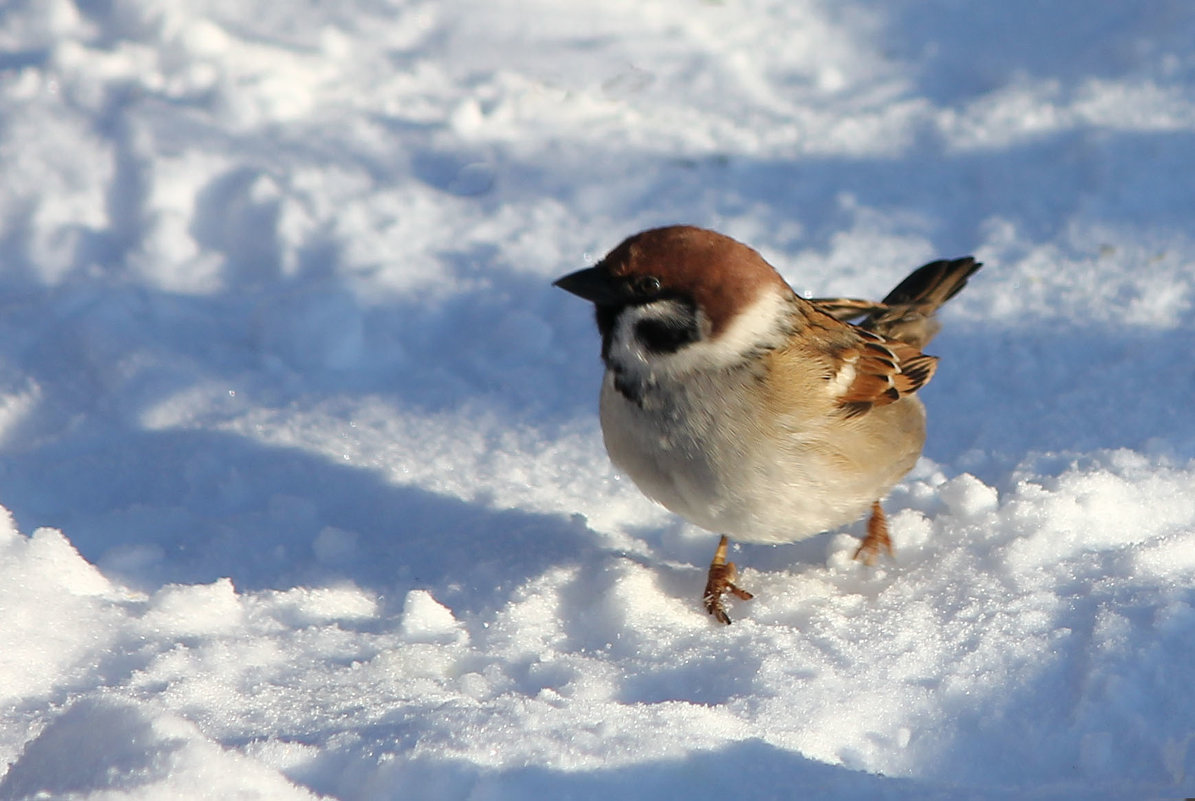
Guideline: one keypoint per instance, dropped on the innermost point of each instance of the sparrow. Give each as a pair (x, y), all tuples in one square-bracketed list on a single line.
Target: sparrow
[(748, 410)]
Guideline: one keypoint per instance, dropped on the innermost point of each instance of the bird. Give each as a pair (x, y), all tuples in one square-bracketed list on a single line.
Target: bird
[(748, 410)]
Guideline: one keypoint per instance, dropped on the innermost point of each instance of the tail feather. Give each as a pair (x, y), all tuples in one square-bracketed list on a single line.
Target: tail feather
[(907, 313), (933, 284)]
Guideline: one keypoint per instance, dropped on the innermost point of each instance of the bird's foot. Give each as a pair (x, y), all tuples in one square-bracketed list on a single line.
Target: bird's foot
[(877, 538), (721, 581)]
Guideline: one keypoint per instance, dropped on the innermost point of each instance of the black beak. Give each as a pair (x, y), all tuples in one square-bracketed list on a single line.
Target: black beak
[(594, 285)]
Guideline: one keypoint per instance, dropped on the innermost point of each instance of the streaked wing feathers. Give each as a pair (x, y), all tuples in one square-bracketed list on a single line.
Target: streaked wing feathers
[(884, 371)]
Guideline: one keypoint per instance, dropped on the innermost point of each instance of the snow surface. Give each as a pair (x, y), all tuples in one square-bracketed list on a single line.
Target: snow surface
[(307, 492)]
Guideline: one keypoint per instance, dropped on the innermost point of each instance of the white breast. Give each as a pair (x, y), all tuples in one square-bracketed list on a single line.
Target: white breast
[(701, 456)]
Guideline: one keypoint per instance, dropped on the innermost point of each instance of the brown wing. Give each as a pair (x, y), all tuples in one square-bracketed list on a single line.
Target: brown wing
[(883, 361), (847, 309), (885, 370), (856, 369)]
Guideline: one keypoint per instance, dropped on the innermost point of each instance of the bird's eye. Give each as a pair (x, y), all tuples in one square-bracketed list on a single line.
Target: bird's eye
[(648, 285)]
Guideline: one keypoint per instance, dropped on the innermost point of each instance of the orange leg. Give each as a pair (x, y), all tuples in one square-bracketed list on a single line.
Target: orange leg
[(721, 581), (877, 538)]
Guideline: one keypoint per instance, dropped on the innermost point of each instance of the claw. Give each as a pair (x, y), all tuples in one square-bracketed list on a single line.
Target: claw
[(721, 581)]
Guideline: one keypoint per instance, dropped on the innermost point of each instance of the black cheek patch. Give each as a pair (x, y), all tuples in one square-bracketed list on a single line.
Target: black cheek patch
[(667, 335)]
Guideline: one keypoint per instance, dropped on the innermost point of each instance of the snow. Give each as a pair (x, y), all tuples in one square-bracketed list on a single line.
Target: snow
[(300, 445)]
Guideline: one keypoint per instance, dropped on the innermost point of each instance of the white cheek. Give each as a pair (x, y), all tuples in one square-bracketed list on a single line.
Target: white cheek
[(625, 347), (762, 324)]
